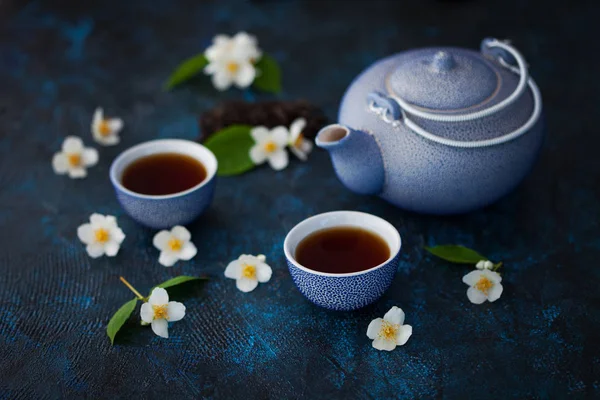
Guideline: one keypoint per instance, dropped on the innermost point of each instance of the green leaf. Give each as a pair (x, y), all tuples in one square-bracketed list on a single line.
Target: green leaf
[(268, 75), (232, 147), (186, 70), (456, 254), (119, 318), (178, 280)]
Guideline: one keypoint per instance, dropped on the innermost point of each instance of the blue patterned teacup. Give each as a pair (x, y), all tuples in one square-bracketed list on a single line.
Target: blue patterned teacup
[(165, 211), (347, 291)]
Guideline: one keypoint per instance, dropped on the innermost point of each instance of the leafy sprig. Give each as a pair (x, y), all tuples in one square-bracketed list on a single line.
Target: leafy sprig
[(124, 312), (458, 254)]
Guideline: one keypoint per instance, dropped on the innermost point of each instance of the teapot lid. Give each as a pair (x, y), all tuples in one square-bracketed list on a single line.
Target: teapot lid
[(444, 79)]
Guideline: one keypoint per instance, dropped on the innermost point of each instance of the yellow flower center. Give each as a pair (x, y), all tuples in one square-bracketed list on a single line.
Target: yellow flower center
[(270, 147), (388, 331), (160, 312), (101, 235), (175, 244), (249, 271), (104, 128), (233, 67), (484, 285), (298, 142), (74, 159)]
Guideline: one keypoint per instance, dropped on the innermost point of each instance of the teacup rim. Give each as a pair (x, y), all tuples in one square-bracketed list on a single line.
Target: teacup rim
[(292, 259), (117, 183)]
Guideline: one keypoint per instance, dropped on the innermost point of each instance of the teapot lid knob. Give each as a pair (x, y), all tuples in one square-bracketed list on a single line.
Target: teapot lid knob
[(443, 61)]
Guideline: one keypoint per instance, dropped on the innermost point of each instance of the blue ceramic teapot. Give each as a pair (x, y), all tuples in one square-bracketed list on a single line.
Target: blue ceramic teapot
[(438, 130)]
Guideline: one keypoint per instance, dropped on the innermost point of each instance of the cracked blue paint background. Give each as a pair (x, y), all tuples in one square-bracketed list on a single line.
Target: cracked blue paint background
[(61, 59)]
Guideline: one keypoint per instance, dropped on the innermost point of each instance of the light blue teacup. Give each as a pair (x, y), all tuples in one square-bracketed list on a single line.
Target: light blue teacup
[(165, 211), (343, 292)]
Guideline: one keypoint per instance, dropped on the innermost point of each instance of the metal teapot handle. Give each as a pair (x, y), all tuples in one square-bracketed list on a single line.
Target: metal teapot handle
[(489, 46)]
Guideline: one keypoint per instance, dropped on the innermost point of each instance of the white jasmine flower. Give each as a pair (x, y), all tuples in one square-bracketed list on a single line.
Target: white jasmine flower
[(74, 158), (174, 245), (297, 143), (270, 146), (231, 60), (159, 311), (389, 331), (106, 130), (248, 270), (102, 236), (484, 264), (485, 285)]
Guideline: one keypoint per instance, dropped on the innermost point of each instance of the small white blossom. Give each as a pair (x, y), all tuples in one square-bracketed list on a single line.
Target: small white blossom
[(106, 130), (174, 245), (248, 270), (484, 285), (297, 143), (484, 264), (270, 146), (159, 311), (102, 236), (231, 60), (74, 158), (389, 331)]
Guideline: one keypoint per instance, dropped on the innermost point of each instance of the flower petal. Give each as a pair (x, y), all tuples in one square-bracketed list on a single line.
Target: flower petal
[(394, 316), (175, 311), (475, 296), (263, 272), (115, 125), (161, 327), (167, 258), (109, 140), (77, 172), (181, 233), (495, 292), (257, 154), (85, 233), (72, 144), (161, 239), (297, 127), (492, 276), (234, 270), (260, 134), (98, 116), (374, 328), (472, 277), (89, 157), (278, 160), (480, 264), (246, 285), (158, 297), (403, 334), (97, 220), (382, 344), (117, 235), (280, 135), (60, 163), (147, 313), (95, 250), (111, 248), (221, 80), (306, 146), (188, 251), (298, 153), (245, 75)]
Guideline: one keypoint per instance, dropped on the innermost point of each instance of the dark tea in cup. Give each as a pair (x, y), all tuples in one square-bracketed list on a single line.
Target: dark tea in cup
[(341, 250), (163, 174)]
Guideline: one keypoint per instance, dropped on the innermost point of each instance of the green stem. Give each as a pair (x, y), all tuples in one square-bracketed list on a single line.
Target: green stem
[(497, 266), (137, 294)]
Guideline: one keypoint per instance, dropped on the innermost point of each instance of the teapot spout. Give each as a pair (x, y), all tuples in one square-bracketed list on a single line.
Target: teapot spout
[(356, 158)]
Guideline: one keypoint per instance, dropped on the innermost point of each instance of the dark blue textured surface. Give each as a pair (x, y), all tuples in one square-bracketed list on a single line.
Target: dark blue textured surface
[(59, 60)]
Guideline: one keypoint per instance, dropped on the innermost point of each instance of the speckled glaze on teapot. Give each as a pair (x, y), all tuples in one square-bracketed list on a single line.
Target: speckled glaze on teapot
[(438, 130)]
